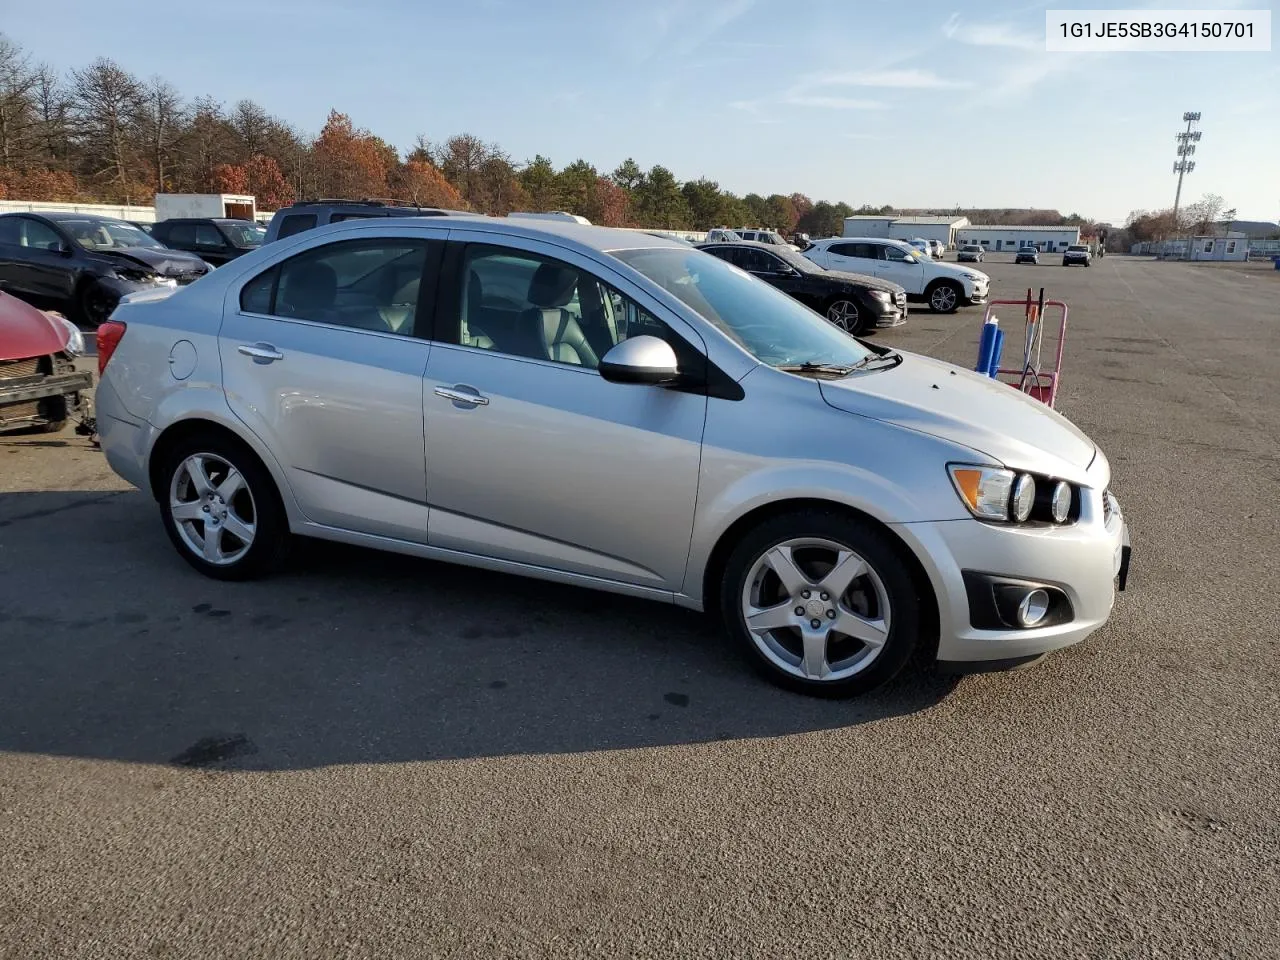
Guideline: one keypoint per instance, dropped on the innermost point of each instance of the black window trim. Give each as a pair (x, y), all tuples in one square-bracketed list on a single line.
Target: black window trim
[(428, 284)]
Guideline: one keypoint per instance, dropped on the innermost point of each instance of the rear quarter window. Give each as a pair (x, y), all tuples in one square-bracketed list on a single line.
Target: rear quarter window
[(296, 223)]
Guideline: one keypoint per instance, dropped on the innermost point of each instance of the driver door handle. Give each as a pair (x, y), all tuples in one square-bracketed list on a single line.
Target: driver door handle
[(260, 352), (462, 394)]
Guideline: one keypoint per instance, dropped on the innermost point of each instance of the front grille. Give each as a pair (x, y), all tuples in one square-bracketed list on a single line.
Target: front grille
[(16, 369), (15, 412)]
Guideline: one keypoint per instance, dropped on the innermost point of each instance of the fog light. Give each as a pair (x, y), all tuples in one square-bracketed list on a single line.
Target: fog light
[(1033, 608), (1061, 501)]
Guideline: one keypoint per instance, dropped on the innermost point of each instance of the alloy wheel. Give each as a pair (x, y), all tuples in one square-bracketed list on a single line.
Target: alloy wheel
[(844, 314), (816, 609), (212, 508), (943, 299)]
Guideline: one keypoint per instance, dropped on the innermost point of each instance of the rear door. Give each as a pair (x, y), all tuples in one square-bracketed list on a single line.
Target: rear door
[(36, 260), (898, 266), (532, 456), (322, 359), (853, 257)]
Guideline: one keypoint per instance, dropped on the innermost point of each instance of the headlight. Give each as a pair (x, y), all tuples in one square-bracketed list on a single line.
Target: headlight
[(882, 295), (75, 339), (975, 277), (984, 490), (135, 276)]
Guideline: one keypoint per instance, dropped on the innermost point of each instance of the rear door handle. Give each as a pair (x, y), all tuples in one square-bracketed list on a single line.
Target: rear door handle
[(260, 352), (462, 394)]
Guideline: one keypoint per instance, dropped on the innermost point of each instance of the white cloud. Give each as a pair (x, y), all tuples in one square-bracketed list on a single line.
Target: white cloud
[(833, 103), (894, 79), (991, 35)]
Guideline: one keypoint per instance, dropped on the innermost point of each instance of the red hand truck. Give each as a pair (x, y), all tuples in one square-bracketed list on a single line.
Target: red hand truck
[(1030, 377)]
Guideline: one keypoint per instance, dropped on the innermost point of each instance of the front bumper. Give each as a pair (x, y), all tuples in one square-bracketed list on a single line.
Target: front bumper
[(39, 387), (1083, 561)]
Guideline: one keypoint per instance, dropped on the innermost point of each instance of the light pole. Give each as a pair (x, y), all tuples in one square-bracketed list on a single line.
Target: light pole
[(1186, 142)]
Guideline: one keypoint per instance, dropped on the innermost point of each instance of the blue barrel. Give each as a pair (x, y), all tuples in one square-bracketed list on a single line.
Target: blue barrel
[(996, 354), (987, 346)]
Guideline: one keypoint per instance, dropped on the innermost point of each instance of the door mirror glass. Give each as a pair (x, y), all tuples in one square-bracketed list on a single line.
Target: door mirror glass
[(642, 359)]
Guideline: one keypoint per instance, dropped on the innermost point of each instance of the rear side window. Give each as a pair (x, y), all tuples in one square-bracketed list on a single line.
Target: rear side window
[(339, 217), (362, 284), (208, 237), (9, 232), (296, 223), (181, 233)]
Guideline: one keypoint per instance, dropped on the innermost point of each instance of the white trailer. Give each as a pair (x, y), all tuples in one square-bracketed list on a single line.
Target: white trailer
[(229, 205)]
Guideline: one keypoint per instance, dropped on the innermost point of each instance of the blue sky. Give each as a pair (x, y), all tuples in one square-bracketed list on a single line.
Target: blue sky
[(924, 103)]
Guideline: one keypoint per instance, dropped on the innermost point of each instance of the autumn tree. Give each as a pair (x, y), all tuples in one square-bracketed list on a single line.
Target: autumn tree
[(422, 184), (781, 213), (350, 163), (265, 181), (230, 178), (613, 204)]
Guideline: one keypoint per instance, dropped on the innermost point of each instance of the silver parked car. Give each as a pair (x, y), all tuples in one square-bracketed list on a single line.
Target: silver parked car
[(611, 409)]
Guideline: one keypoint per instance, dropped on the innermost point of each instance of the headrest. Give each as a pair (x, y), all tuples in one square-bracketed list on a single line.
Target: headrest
[(552, 286)]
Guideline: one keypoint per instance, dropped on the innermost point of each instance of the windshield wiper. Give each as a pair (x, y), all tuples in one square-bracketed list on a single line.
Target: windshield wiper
[(834, 369), (891, 359)]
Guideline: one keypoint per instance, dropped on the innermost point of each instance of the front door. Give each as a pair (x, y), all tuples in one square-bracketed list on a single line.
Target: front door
[(898, 266), (320, 360), (35, 260), (853, 257), (531, 455)]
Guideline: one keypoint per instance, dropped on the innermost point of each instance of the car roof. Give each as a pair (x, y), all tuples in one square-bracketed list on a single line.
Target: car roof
[(62, 216), (589, 238)]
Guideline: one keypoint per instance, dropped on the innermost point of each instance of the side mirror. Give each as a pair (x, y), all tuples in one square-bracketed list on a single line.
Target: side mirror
[(642, 359), (65, 251)]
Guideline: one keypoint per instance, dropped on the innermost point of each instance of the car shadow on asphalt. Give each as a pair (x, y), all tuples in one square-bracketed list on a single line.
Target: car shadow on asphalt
[(113, 648)]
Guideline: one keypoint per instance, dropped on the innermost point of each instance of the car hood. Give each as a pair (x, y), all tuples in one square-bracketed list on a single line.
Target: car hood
[(941, 269), (167, 263), (958, 405), (861, 280), (27, 332)]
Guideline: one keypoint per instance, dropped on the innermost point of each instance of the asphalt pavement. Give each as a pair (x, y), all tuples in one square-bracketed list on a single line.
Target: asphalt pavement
[(376, 756)]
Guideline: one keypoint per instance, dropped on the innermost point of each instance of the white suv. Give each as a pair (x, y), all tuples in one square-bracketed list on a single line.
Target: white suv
[(944, 286)]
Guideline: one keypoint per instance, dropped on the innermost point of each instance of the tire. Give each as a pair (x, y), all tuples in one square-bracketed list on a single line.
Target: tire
[(53, 426), (250, 507), (845, 313), (881, 603), (94, 304), (945, 296)]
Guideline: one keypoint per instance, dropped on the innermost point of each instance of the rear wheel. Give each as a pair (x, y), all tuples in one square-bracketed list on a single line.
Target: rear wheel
[(221, 510), (845, 315), (821, 603), (944, 297)]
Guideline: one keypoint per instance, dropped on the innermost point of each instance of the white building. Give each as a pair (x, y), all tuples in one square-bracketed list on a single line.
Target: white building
[(1234, 246), (999, 237), (906, 228)]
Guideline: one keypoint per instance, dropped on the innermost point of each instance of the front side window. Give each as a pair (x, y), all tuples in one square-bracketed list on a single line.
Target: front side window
[(244, 236), (764, 321), (182, 235), (527, 305), (362, 284), (33, 233), (894, 254)]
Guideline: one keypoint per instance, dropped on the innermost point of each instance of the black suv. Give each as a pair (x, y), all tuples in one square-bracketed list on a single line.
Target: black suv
[(213, 239), (310, 214), (855, 303)]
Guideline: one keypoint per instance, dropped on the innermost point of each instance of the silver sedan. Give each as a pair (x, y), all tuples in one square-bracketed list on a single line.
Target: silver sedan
[(614, 410)]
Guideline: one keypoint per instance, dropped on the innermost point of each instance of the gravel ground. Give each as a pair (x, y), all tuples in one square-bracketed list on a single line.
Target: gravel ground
[(374, 756)]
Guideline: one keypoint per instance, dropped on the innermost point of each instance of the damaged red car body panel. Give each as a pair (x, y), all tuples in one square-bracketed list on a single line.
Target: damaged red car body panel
[(39, 385)]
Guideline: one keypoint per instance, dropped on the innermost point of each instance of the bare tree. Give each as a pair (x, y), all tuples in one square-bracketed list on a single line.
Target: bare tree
[(252, 125), (160, 118), (53, 117), (105, 99), (17, 107), (461, 158), (207, 141)]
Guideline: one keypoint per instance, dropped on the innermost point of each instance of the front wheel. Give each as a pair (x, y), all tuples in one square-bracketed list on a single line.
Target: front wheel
[(95, 304), (945, 298), (845, 315), (821, 603), (220, 509)]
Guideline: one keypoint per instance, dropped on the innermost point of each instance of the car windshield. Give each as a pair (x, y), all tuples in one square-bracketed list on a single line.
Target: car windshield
[(246, 236), (803, 264), (1077, 249), (972, 249), (108, 234), (768, 324)]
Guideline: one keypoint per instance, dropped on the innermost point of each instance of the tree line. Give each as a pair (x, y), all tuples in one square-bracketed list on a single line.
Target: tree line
[(1204, 217), (101, 134)]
